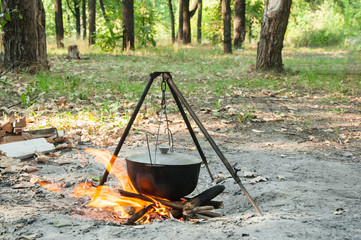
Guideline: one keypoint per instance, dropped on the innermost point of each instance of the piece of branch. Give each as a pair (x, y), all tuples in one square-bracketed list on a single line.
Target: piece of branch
[(195, 210), (136, 216), (193, 8), (72, 11), (206, 196)]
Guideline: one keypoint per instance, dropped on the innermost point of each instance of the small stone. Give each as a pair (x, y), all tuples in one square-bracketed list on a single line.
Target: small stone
[(347, 154)]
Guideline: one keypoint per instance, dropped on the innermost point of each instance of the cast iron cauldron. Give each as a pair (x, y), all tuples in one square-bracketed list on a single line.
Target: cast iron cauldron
[(171, 175)]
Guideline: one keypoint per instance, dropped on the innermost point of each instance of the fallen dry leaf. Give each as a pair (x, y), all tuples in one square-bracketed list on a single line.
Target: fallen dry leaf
[(280, 177), (249, 174), (258, 179), (339, 211), (23, 185), (42, 159), (61, 146)]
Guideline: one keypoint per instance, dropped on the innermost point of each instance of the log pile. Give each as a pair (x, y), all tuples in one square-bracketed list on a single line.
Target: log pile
[(201, 204), (13, 129)]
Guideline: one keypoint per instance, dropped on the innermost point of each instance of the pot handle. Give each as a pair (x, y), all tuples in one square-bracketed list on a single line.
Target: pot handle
[(150, 155), (170, 138)]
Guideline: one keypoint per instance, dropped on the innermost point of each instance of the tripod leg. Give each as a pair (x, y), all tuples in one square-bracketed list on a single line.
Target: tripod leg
[(191, 132), (212, 143), (128, 127)]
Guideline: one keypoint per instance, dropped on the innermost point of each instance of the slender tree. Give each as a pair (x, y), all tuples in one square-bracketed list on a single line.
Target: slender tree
[(84, 18), (59, 27), (24, 36), (76, 13), (102, 7), (273, 29), (171, 14), (239, 25), (199, 22), (227, 37), (185, 15), (77, 17), (180, 22), (92, 9), (186, 23), (128, 24)]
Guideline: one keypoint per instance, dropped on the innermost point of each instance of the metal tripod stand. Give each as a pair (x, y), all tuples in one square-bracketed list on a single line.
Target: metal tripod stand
[(179, 99)]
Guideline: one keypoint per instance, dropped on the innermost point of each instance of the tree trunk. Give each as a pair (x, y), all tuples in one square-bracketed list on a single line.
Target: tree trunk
[(102, 7), (84, 19), (239, 27), (273, 29), (128, 24), (92, 9), (186, 23), (193, 8), (77, 17), (227, 37), (199, 22), (180, 22), (59, 28), (24, 37), (171, 19)]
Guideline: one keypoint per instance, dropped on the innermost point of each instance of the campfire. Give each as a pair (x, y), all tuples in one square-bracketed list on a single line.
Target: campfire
[(130, 207), (152, 187)]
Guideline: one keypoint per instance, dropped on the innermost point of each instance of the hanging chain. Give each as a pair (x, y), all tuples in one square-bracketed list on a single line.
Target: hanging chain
[(163, 105)]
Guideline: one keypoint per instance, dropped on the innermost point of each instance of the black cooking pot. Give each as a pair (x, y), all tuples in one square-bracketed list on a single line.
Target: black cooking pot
[(167, 175)]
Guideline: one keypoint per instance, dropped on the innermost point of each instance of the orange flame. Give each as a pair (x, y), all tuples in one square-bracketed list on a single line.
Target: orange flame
[(107, 197), (54, 187)]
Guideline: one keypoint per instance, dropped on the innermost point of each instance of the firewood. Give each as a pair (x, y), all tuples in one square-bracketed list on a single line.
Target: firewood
[(7, 126), (201, 198), (11, 138), (17, 130), (206, 196), (136, 216), (195, 210), (2, 133), (19, 123)]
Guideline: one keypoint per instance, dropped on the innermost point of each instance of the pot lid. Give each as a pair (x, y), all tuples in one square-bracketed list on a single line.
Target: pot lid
[(170, 158)]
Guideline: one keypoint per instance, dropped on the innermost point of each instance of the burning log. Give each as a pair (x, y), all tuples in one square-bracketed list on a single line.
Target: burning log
[(136, 216), (191, 207)]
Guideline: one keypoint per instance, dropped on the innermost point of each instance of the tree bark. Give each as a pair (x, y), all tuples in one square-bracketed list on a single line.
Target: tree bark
[(227, 38), (193, 8), (77, 17), (239, 27), (199, 22), (92, 9), (171, 19), (102, 7), (24, 37), (128, 24), (273, 29), (84, 19), (187, 37), (180, 22), (59, 27)]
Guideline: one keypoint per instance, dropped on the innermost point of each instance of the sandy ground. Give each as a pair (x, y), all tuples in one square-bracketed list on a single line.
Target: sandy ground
[(312, 191)]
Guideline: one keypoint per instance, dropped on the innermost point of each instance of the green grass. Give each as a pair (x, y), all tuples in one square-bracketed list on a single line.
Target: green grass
[(101, 79)]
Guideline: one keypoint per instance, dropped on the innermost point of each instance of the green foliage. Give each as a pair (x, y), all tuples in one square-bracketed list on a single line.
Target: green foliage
[(254, 13), (145, 22), (323, 23), (213, 23), (109, 34), (5, 17)]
